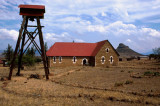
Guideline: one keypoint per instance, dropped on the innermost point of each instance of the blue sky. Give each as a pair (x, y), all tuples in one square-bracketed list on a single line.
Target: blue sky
[(135, 23)]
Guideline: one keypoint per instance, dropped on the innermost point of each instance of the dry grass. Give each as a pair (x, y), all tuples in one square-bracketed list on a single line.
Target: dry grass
[(83, 86)]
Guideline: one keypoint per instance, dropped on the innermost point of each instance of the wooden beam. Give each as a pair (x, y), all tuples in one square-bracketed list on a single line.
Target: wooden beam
[(22, 46), (42, 48), (33, 26), (16, 49)]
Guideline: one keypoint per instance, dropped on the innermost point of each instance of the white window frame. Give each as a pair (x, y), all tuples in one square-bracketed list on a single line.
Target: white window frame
[(54, 60), (60, 59), (111, 62), (102, 60), (107, 49), (75, 59)]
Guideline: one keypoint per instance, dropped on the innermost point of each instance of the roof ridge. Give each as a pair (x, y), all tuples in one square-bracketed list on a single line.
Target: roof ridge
[(75, 42), (102, 41)]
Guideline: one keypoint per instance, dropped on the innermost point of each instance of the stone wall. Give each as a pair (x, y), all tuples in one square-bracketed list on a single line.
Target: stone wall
[(1, 65), (68, 61), (107, 56)]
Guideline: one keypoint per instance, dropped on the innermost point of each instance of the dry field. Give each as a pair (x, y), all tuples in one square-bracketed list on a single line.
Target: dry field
[(130, 83)]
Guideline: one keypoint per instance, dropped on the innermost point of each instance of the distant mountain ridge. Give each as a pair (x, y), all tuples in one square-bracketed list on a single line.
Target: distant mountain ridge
[(125, 51)]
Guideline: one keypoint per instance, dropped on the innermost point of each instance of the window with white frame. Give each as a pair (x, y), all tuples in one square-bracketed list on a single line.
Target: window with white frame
[(107, 50), (102, 59), (111, 59), (60, 59), (74, 59), (54, 59)]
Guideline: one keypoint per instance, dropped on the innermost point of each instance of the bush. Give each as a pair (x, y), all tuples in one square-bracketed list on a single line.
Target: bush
[(149, 73), (28, 60), (37, 60), (129, 82), (117, 84), (156, 74)]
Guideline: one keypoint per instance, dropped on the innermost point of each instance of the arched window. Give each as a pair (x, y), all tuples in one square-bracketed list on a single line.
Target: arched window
[(74, 59), (60, 59), (107, 50), (111, 59), (54, 59), (102, 59)]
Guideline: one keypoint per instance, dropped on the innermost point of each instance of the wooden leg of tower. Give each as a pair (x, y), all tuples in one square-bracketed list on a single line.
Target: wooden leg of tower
[(47, 64), (16, 49), (42, 48), (22, 46)]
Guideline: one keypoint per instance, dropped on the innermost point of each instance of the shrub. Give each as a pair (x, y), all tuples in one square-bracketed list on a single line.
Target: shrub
[(38, 59), (148, 73), (122, 70), (129, 82), (117, 84), (28, 60), (156, 74), (130, 71)]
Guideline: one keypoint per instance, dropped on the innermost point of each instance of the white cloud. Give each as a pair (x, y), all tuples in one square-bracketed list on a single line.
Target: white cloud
[(8, 34), (99, 28), (68, 19), (103, 14), (118, 28), (126, 10), (128, 40), (151, 32), (63, 37), (140, 39)]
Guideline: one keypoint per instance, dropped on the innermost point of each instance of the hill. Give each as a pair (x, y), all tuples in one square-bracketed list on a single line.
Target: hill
[(125, 51)]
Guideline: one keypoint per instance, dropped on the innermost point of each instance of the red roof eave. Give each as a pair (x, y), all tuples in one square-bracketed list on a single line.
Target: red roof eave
[(32, 6)]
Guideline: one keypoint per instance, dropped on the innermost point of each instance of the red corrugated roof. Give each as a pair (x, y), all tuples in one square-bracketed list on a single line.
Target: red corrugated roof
[(75, 49), (32, 6), (32, 10)]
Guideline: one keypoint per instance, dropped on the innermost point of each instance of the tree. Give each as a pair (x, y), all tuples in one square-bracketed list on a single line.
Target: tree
[(31, 51), (8, 53), (156, 54), (156, 51)]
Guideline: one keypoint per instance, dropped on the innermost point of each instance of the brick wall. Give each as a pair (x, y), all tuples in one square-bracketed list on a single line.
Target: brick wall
[(107, 56)]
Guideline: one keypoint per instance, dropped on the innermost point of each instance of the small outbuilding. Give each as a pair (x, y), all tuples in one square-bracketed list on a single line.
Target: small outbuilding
[(100, 54)]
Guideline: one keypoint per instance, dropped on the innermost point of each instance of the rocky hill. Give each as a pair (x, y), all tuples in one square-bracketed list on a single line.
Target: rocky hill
[(125, 51)]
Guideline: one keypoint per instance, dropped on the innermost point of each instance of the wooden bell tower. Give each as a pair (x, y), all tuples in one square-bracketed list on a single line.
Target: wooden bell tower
[(30, 13)]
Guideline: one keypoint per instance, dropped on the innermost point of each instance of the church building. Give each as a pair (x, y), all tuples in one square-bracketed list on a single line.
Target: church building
[(100, 54)]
